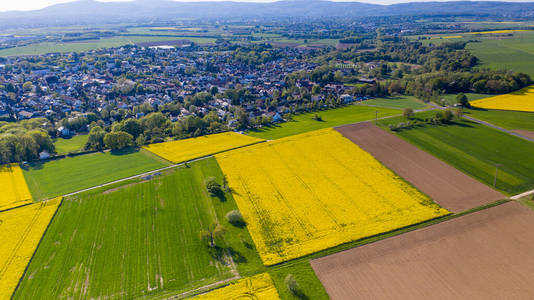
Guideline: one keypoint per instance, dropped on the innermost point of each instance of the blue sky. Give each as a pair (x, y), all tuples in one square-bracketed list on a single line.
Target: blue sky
[(37, 4)]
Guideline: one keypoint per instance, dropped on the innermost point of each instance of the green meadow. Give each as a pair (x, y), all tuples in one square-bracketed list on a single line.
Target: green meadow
[(73, 144), (504, 118), (139, 240), (53, 47), (399, 102), (333, 117), (58, 177)]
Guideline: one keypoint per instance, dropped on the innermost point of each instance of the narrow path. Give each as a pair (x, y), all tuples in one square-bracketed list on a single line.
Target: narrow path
[(498, 128), (516, 197)]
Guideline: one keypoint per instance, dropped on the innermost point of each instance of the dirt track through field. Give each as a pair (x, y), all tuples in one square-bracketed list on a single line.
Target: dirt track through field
[(483, 255), (446, 185)]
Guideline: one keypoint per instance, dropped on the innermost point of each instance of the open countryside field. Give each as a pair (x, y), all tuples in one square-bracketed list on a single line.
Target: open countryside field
[(138, 240), (476, 150), (447, 186), (522, 100), (313, 191), (257, 287), (58, 177), (506, 53), (188, 149), (483, 255), (330, 118), (22, 229), (514, 120), (497, 51), (73, 144), (399, 102), (53, 47), (14, 189)]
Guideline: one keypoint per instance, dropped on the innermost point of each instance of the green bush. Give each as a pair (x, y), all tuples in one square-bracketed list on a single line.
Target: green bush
[(234, 217)]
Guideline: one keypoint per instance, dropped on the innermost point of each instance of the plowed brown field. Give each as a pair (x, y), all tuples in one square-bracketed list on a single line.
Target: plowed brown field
[(483, 255), (446, 185)]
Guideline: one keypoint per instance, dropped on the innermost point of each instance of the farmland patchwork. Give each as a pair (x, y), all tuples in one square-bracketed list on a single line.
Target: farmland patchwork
[(313, 191)]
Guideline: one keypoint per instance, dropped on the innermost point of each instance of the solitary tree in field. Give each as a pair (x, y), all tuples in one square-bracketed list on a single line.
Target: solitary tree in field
[(462, 99), (292, 285), (408, 113), (213, 233), (213, 187)]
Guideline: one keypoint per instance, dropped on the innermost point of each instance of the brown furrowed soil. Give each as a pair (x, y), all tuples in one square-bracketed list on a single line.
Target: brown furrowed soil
[(446, 185), (483, 255)]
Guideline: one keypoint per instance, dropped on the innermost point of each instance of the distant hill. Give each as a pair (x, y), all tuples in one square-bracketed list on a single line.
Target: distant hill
[(90, 11)]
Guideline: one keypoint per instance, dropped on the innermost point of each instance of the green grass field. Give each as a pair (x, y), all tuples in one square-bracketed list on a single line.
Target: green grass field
[(503, 118), (139, 240), (62, 176), (330, 118), (399, 102), (50, 47), (74, 144), (497, 51), (476, 150), (303, 273), (516, 53), (451, 98)]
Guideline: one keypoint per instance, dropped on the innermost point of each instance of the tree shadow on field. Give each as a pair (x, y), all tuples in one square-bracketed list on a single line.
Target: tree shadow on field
[(217, 253), (236, 256), (124, 151)]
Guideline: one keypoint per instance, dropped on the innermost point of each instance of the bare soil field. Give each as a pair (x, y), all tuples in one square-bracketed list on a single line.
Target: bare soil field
[(443, 183), (483, 255)]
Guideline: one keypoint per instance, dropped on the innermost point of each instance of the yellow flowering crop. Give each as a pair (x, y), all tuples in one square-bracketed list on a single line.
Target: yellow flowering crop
[(258, 287), (15, 192), (498, 31), (184, 150), (308, 192), (522, 100), (21, 230)]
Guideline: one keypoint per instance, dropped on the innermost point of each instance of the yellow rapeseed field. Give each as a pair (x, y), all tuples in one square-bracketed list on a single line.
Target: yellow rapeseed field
[(184, 150), (14, 191), (312, 191), (522, 100), (259, 287), (21, 230), (498, 31)]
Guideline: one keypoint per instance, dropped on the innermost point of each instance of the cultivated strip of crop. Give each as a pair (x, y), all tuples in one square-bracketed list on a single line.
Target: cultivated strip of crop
[(22, 229), (184, 150), (257, 287), (522, 100), (14, 189)]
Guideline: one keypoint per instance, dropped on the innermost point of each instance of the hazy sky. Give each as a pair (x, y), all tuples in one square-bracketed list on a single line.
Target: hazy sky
[(6, 5)]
